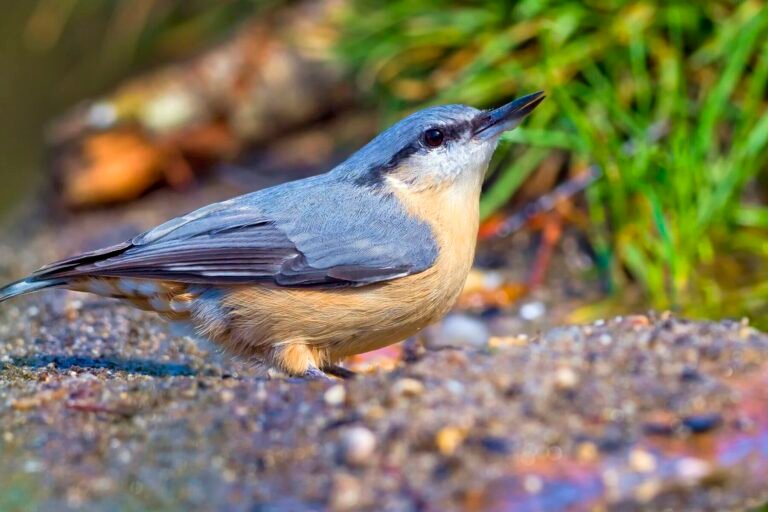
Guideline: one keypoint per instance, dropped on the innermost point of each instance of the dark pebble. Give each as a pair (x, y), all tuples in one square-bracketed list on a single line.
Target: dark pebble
[(701, 423), (690, 374), (495, 444)]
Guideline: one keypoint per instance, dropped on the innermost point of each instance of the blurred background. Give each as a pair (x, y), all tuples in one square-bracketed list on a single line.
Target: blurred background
[(644, 172)]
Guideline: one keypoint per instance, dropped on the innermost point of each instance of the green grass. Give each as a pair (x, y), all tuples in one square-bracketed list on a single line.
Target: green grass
[(667, 98)]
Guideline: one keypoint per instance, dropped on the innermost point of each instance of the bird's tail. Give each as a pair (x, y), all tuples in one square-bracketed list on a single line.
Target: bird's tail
[(28, 285)]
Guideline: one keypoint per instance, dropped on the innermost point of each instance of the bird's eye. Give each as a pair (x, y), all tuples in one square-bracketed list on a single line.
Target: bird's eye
[(433, 137)]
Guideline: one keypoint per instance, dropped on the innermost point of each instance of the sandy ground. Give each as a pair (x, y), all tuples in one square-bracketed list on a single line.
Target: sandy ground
[(103, 407)]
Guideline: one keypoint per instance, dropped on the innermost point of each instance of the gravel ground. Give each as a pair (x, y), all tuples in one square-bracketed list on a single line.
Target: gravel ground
[(103, 407)]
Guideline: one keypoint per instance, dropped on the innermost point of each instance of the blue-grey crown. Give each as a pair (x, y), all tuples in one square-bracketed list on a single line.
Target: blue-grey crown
[(402, 139)]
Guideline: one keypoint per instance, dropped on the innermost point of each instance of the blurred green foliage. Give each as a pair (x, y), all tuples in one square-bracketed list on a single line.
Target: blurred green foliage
[(668, 98)]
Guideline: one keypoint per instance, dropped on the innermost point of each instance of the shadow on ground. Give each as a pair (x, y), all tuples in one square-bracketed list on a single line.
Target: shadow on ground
[(140, 366)]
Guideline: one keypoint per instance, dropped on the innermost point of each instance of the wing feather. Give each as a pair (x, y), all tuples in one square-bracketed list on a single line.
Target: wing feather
[(274, 236)]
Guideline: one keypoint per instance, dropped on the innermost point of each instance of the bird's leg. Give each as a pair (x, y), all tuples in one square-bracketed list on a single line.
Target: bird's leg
[(297, 359), (338, 371)]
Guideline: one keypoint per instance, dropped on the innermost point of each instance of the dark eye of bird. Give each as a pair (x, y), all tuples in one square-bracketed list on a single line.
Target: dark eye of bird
[(433, 137)]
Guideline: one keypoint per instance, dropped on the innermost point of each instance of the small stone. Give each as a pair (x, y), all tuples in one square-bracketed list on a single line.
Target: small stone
[(642, 461), (459, 330), (357, 445), (448, 439), (346, 492), (689, 374), (533, 484), (32, 466), (508, 341), (408, 387), (566, 378), (494, 444), (701, 423), (532, 311), (335, 395), (587, 452), (692, 469), (454, 387), (647, 490)]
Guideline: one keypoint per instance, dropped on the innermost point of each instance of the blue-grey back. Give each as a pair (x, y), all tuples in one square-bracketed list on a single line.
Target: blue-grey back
[(323, 230)]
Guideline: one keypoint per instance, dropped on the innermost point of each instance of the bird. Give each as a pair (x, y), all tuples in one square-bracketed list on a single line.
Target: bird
[(303, 274)]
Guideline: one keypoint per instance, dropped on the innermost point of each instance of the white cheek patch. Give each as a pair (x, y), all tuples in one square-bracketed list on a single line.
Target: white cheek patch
[(466, 159)]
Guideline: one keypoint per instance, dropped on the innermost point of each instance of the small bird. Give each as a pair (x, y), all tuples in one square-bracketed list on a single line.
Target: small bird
[(303, 274)]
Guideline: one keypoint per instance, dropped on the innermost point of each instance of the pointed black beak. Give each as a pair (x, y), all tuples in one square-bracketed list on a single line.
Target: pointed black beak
[(493, 122)]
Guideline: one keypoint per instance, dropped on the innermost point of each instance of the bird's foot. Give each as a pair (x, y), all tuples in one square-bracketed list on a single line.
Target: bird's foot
[(315, 373), (338, 371)]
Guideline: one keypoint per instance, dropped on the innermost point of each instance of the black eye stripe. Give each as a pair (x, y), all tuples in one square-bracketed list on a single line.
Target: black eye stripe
[(374, 175), (455, 130)]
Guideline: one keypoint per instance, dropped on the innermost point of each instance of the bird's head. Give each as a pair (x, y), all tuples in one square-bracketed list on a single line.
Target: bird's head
[(437, 146)]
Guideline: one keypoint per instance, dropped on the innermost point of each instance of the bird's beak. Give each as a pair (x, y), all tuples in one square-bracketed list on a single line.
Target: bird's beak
[(490, 123)]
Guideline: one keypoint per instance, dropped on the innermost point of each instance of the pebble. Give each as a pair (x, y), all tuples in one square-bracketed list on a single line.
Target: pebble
[(32, 466), (587, 452), (497, 342), (459, 330), (357, 445), (335, 395), (532, 311), (701, 423), (493, 444), (448, 439), (346, 492), (642, 461), (566, 378), (533, 484), (648, 490), (408, 387), (692, 469)]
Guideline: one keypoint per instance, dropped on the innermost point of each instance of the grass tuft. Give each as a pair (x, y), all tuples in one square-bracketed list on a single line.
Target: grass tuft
[(667, 98)]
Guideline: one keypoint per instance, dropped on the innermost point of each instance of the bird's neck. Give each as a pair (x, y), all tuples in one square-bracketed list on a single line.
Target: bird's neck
[(452, 210)]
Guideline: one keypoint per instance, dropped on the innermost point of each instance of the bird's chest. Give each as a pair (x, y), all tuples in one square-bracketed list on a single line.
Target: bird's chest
[(453, 214)]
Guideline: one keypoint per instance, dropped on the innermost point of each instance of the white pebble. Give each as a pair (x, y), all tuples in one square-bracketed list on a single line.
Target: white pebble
[(566, 378), (460, 331), (533, 484), (335, 395), (692, 469), (357, 445), (408, 387), (532, 311)]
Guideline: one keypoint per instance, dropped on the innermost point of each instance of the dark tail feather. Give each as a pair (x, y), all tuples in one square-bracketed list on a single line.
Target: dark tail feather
[(27, 286)]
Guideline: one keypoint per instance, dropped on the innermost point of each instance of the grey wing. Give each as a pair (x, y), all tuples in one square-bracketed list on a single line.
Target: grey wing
[(338, 236)]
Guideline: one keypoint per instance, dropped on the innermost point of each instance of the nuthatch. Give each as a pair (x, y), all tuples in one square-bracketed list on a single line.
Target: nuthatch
[(300, 275)]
